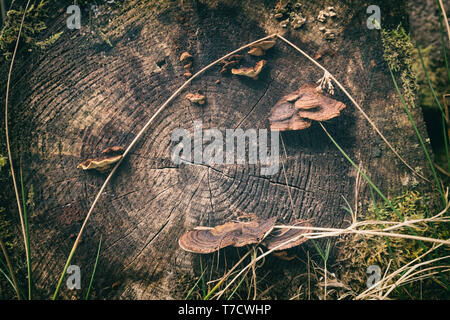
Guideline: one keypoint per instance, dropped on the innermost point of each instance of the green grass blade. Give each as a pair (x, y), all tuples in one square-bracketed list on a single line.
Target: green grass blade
[(7, 278), (443, 115), (368, 180), (419, 136), (203, 279), (238, 285), (95, 268), (195, 285), (319, 250), (429, 82), (7, 265)]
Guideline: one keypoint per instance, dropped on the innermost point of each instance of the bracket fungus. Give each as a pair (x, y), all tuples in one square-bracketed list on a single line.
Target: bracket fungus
[(230, 62), (103, 164), (250, 72), (286, 238), (295, 110), (237, 234), (260, 48)]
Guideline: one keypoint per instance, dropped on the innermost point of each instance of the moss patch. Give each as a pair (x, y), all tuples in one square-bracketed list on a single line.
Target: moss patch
[(357, 253), (398, 53), (32, 30)]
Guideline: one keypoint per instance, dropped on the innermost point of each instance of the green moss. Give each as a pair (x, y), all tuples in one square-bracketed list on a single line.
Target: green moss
[(49, 41), (3, 161), (357, 252), (398, 54), (32, 30)]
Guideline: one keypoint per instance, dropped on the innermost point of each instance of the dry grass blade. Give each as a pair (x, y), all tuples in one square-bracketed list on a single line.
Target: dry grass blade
[(8, 147), (11, 271), (370, 292), (355, 103), (132, 144), (445, 18)]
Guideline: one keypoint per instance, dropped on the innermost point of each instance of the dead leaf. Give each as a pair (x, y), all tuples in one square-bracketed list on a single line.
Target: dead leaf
[(100, 164)]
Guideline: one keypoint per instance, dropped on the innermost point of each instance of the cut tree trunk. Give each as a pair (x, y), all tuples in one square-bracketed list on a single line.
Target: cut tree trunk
[(83, 95)]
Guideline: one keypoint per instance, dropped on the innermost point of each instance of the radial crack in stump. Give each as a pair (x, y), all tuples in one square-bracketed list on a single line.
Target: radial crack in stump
[(295, 110), (237, 234), (287, 238)]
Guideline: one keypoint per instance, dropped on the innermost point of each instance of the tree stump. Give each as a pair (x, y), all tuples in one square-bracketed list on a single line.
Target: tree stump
[(83, 95)]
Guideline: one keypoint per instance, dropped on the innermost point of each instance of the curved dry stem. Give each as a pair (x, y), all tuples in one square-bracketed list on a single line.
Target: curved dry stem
[(8, 147), (135, 140), (444, 14), (355, 103), (399, 270)]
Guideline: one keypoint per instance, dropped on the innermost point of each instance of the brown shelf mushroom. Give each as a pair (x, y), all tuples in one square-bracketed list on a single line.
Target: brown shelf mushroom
[(260, 48), (230, 62), (250, 72), (237, 234), (284, 117), (287, 238), (295, 110)]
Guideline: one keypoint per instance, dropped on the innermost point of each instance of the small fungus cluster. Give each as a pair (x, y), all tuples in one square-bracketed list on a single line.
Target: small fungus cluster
[(196, 98), (230, 62), (187, 60), (289, 14), (296, 110), (328, 12), (329, 34)]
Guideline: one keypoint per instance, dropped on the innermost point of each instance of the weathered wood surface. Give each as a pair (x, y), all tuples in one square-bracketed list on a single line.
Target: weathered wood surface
[(84, 96)]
